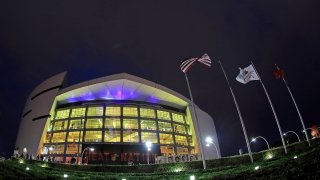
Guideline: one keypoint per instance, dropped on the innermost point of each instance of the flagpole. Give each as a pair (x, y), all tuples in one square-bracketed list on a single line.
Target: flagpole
[(239, 113), (197, 124), (274, 112), (295, 104)]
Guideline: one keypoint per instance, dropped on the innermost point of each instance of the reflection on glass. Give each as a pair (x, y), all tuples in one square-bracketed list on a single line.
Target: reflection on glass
[(94, 123), (130, 124)]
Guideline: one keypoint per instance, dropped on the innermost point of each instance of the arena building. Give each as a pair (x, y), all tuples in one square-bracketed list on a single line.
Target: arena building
[(115, 115)]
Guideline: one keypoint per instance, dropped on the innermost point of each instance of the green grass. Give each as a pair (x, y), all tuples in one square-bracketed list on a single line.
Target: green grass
[(281, 166)]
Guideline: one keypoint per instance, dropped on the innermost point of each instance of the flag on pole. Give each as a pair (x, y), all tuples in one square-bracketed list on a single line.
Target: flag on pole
[(204, 59), (278, 73), (247, 74)]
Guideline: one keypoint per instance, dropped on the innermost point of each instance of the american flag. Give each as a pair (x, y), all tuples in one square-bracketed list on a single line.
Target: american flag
[(204, 59)]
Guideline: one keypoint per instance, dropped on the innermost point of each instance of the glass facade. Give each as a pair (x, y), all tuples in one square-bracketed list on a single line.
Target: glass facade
[(123, 124)]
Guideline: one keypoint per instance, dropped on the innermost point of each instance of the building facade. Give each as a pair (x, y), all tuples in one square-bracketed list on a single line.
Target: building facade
[(115, 115)]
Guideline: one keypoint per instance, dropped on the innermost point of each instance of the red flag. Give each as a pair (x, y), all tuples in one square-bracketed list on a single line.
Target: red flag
[(278, 73)]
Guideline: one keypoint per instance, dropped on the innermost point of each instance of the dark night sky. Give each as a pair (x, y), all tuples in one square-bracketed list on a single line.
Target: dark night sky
[(149, 39)]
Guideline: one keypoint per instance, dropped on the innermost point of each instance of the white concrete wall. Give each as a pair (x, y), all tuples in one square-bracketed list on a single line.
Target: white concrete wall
[(30, 132), (207, 128)]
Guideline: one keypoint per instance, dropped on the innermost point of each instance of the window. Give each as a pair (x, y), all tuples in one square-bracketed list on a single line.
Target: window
[(167, 150), (75, 136), (130, 111), (78, 112), (181, 129), (165, 126), (94, 123), (181, 140), (177, 117), (149, 136), (182, 150), (166, 138), (93, 136), (130, 123), (48, 137), (95, 111), (130, 136), (73, 149), (62, 114), (60, 125), (163, 115), (112, 123), (113, 111), (58, 149), (112, 136), (147, 113), (76, 124), (58, 137), (148, 125)]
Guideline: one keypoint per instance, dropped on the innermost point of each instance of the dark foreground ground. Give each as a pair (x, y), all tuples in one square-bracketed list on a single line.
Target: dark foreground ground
[(306, 165)]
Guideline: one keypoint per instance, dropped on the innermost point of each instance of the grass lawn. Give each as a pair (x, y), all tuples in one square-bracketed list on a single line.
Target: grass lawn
[(280, 166)]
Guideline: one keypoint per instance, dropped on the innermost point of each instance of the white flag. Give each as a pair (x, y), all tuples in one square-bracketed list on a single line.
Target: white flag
[(247, 74)]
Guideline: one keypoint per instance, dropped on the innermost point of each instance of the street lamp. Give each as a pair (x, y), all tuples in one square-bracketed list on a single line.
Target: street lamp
[(255, 138), (209, 141), (148, 145), (91, 149), (293, 133)]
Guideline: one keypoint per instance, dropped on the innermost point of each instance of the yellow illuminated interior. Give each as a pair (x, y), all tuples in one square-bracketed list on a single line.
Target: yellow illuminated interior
[(148, 124), (59, 137), (78, 112), (119, 124), (163, 115), (93, 136), (62, 114), (149, 136), (112, 123), (177, 118), (130, 136), (166, 138), (147, 113), (95, 111), (113, 111), (130, 111), (112, 136), (94, 123), (130, 124)]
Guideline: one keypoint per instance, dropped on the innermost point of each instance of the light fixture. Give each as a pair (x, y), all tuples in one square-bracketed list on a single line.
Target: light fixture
[(91, 149), (192, 177), (65, 175), (256, 168), (27, 168), (295, 157)]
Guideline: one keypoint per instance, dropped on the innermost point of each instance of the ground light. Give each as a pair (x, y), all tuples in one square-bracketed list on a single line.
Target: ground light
[(295, 157), (178, 170), (192, 177), (65, 175), (27, 168), (21, 161), (256, 168), (123, 179)]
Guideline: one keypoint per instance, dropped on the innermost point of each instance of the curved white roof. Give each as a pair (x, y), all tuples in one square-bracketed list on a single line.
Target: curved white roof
[(122, 86)]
